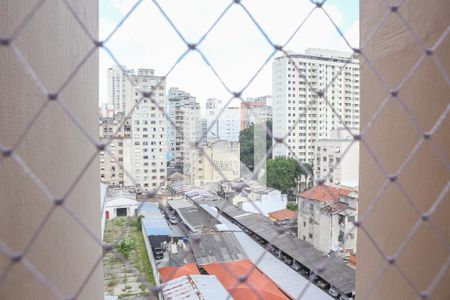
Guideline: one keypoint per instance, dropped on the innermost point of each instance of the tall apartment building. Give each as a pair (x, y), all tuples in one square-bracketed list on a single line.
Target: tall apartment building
[(119, 87), (255, 110), (225, 125), (148, 131), (115, 160), (337, 159), (185, 129), (301, 117)]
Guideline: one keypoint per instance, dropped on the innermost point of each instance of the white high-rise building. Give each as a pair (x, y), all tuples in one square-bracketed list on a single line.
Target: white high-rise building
[(148, 131), (185, 129), (225, 125), (119, 87), (298, 115)]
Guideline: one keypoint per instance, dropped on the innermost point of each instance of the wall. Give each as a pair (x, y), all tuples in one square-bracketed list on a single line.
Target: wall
[(54, 149), (393, 52)]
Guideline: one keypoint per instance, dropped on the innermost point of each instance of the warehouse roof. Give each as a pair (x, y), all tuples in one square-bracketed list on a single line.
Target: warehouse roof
[(156, 226), (336, 272), (202, 287)]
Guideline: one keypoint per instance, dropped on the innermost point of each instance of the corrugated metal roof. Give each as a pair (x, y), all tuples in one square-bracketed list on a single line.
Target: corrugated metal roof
[(201, 287), (216, 247), (288, 280), (336, 272), (156, 227), (149, 206)]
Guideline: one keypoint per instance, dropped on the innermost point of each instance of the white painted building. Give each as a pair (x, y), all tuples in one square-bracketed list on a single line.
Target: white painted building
[(337, 159), (296, 108), (252, 196), (118, 87), (119, 203), (261, 202), (325, 219), (149, 131), (184, 112), (223, 125)]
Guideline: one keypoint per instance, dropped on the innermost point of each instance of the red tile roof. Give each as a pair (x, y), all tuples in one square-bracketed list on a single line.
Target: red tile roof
[(283, 214), (169, 273), (325, 193), (257, 285)]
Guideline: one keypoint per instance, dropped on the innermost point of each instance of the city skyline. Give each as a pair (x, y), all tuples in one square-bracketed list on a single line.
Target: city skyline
[(245, 52)]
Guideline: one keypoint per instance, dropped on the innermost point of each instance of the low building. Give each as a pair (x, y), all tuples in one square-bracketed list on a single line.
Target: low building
[(216, 161), (325, 219), (253, 197), (119, 203), (337, 159)]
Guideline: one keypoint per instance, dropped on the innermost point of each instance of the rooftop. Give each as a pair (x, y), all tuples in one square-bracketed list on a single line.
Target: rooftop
[(169, 273), (283, 214), (325, 193), (336, 272), (256, 286), (214, 247), (202, 287)]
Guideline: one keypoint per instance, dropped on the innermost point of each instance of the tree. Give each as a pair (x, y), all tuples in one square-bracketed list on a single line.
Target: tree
[(282, 173), (247, 142)]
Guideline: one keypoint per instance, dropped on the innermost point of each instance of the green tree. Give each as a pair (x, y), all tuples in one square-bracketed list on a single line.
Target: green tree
[(282, 173), (125, 247), (247, 142)]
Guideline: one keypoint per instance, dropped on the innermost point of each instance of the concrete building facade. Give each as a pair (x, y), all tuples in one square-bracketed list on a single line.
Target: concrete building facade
[(392, 136), (216, 161), (184, 112), (149, 131), (60, 260), (255, 110), (223, 125), (119, 88), (325, 219), (301, 117), (337, 159), (115, 160)]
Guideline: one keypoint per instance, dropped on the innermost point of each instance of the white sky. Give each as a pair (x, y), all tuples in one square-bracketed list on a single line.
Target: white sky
[(235, 47)]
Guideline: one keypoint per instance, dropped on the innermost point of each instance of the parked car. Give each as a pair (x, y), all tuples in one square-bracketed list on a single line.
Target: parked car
[(287, 260), (173, 220), (296, 267), (346, 297), (304, 272), (323, 284), (333, 291)]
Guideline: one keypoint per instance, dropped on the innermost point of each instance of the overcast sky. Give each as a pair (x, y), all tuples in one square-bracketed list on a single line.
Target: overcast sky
[(235, 47)]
